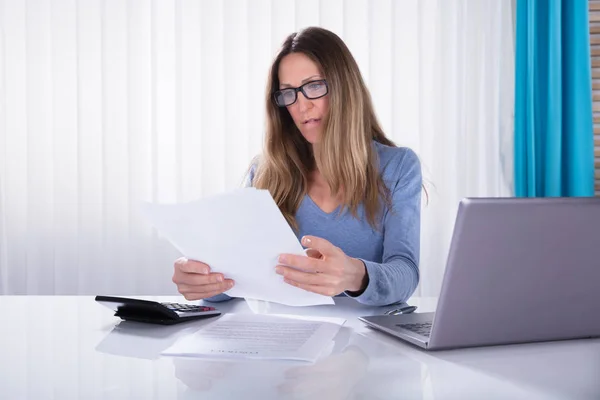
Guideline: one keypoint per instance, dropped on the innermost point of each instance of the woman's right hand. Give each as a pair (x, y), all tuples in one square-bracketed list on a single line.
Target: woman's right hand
[(195, 281)]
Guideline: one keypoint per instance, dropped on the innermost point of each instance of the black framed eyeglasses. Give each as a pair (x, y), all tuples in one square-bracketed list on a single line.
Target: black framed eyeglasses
[(311, 90)]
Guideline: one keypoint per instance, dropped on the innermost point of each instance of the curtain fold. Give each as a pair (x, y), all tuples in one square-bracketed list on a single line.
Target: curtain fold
[(106, 103), (554, 148)]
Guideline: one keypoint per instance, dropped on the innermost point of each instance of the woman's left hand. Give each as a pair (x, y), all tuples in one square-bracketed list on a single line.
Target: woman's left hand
[(327, 270)]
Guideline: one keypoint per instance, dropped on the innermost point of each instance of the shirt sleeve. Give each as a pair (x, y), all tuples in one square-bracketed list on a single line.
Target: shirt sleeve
[(247, 183), (395, 279)]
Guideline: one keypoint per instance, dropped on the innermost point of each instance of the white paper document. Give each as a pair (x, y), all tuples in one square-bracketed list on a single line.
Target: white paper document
[(239, 234), (265, 337)]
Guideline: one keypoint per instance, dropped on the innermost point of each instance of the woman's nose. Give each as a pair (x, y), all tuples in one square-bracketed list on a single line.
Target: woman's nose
[(304, 103)]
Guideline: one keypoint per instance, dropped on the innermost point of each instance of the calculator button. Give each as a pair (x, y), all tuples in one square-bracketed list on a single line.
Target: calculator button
[(187, 307)]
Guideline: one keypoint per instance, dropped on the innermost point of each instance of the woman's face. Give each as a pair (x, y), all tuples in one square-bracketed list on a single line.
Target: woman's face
[(295, 70)]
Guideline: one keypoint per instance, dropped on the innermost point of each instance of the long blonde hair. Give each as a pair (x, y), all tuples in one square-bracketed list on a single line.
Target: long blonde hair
[(345, 156)]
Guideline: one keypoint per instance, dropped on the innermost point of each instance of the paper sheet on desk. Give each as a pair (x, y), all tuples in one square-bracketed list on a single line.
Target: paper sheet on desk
[(264, 337), (240, 234)]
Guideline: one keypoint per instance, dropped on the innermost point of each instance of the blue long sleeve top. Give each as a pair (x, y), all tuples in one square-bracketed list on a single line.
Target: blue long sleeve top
[(391, 253)]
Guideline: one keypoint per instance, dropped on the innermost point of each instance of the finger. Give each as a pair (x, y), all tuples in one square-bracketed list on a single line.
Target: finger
[(184, 288), (197, 279), (192, 267), (203, 295), (323, 246), (213, 287), (208, 295), (205, 290), (313, 253), (309, 278), (301, 262), (324, 290)]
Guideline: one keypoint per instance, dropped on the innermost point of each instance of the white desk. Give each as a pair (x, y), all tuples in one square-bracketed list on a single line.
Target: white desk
[(73, 348)]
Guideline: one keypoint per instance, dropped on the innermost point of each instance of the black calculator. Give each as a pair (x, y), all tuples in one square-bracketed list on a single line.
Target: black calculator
[(154, 312)]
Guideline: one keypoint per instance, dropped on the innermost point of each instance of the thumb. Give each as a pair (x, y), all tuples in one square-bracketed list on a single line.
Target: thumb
[(321, 245)]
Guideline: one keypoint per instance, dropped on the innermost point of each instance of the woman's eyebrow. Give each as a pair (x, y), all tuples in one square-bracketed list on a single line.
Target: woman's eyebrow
[(287, 85)]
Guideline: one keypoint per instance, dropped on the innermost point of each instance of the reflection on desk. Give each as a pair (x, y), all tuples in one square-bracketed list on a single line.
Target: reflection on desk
[(73, 348), (342, 371), (335, 376)]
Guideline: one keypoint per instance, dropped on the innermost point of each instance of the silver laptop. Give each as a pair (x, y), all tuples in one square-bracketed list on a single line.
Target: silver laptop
[(518, 270)]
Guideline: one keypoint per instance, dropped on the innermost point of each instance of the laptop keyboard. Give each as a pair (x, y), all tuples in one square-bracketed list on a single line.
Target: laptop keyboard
[(420, 328)]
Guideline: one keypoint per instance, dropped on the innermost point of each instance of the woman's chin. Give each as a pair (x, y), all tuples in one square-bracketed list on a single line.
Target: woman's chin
[(312, 137)]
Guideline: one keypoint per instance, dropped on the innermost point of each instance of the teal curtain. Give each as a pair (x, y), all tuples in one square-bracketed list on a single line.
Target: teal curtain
[(554, 139)]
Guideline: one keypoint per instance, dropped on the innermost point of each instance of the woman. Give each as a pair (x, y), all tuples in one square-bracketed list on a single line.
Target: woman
[(348, 192)]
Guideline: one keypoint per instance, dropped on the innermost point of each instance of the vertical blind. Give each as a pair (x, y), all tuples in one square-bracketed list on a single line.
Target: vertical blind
[(594, 10), (105, 103)]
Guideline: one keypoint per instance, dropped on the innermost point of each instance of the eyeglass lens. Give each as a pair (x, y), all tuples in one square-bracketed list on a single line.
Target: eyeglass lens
[(311, 90)]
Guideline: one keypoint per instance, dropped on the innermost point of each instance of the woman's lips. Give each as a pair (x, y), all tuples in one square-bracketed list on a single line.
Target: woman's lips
[(312, 121)]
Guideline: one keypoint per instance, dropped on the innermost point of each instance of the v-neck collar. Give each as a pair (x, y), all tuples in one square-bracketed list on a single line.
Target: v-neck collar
[(319, 209)]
